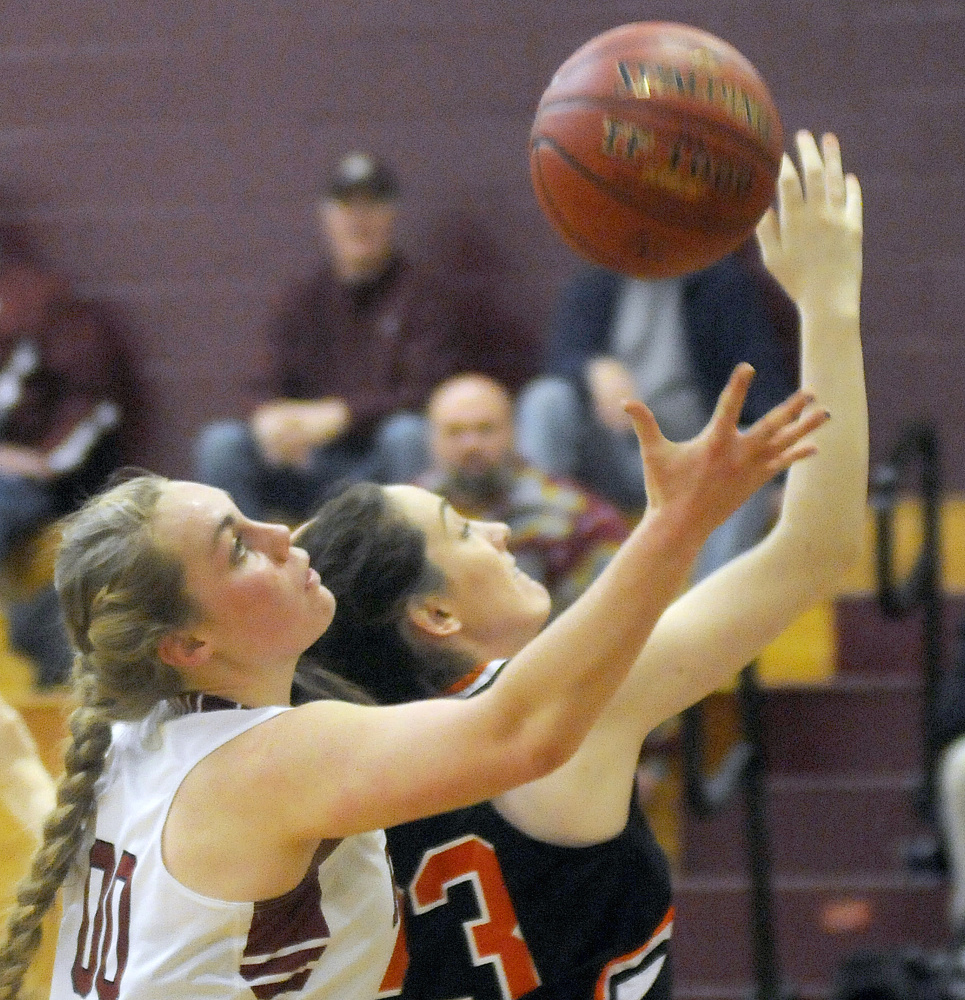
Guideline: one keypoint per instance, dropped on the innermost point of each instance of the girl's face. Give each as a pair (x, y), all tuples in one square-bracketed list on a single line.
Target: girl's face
[(499, 607), (259, 599)]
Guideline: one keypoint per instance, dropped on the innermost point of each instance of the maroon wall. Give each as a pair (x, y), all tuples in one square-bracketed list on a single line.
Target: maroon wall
[(169, 154)]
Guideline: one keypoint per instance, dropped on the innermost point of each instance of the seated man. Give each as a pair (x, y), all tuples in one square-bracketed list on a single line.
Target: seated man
[(561, 535), (672, 343), (68, 417), (355, 353)]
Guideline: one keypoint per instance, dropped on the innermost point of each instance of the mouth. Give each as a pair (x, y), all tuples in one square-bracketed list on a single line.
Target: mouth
[(312, 579)]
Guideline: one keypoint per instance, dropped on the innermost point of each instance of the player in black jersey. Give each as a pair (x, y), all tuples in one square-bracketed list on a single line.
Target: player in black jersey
[(557, 889)]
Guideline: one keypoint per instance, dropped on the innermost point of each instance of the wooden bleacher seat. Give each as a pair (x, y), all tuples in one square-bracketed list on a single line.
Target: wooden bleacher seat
[(30, 565)]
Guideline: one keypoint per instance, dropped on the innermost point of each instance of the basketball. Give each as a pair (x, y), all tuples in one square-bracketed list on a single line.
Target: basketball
[(655, 149)]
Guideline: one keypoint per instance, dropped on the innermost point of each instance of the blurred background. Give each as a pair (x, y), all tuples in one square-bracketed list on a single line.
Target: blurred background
[(167, 156)]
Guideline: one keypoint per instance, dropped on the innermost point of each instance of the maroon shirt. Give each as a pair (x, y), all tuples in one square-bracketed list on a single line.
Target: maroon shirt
[(81, 360), (382, 346)]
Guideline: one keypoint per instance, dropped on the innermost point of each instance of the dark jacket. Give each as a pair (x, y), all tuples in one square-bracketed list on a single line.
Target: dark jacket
[(68, 375), (726, 319)]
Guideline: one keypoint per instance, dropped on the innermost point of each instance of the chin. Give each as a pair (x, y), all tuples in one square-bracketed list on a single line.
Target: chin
[(539, 597), (327, 612)]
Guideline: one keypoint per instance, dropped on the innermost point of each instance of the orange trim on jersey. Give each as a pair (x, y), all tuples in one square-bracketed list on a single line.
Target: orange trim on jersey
[(467, 679), (633, 958), (394, 977)]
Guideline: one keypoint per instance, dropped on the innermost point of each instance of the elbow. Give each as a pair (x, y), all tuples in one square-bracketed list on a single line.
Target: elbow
[(541, 755), (832, 563), (846, 548), (824, 553)]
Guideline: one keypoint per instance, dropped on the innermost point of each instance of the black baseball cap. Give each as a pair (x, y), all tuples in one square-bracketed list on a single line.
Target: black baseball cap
[(365, 175)]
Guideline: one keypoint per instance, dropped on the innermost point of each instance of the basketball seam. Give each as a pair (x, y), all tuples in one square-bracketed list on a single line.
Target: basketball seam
[(562, 224), (734, 131), (601, 183)]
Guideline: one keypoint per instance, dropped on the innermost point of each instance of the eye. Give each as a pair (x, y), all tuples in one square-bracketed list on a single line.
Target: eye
[(238, 550), (466, 529)]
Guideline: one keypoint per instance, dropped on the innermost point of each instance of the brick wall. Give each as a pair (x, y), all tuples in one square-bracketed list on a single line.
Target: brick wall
[(168, 154)]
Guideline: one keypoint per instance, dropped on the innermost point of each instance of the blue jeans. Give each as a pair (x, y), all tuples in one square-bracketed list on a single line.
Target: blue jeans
[(25, 505), (226, 455), (557, 433)]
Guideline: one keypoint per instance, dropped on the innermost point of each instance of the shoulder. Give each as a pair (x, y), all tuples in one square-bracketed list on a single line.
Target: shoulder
[(595, 283), (306, 288)]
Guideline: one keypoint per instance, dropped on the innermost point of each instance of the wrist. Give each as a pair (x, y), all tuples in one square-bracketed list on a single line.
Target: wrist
[(822, 306), (675, 528)]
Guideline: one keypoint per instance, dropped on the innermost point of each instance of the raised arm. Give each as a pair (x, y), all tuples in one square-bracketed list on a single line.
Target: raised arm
[(812, 244), (329, 769)]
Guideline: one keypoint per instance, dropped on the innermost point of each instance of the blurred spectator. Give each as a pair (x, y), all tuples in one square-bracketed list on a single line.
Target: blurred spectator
[(69, 416), (355, 352), (950, 788), (672, 343), (27, 795), (561, 535)]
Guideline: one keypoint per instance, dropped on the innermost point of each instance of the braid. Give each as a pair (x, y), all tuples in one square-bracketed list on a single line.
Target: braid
[(63, 829), (120, 595)]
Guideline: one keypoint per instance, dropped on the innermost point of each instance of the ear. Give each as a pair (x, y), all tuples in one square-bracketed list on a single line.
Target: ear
[(433, 616), (179, 649)]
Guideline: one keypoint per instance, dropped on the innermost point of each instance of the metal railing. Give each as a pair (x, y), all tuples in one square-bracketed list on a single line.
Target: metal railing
[(742, 770), (921, 587)]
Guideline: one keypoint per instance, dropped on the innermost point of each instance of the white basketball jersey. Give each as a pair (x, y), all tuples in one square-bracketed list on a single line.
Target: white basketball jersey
[(130, 931)]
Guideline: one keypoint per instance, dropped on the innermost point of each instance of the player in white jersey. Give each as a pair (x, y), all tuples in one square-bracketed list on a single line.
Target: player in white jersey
[(168, 590), (328, 930), (556, 889)]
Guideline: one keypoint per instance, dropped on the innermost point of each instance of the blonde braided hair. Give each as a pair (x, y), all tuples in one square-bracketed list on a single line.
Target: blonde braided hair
[(120, 593)]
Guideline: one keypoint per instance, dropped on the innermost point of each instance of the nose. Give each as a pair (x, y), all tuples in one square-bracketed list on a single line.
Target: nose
[(468, 439), (278, 541), (498, 533)]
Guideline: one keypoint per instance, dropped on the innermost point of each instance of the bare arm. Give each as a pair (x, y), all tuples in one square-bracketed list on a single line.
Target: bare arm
[(329, 769), (812, 244)]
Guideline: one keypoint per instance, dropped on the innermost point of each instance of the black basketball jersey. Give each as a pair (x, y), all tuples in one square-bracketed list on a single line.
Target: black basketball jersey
[(492, 914)]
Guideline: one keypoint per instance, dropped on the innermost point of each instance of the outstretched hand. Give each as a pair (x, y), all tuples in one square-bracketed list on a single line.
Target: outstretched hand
[(811, 242), (712, 474)]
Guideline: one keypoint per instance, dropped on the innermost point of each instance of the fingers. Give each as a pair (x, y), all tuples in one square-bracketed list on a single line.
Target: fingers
[(821, 176), (797, 429), (730, 402), (834, 185), (790, 195), (789, 409), (644, 423), (812, 167), (822, 171), (780, 433), (853, 209), (789, 456), (779, 418)]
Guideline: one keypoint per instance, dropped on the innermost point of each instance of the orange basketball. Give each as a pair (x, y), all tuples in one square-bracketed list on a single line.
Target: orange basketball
[(655, 149)]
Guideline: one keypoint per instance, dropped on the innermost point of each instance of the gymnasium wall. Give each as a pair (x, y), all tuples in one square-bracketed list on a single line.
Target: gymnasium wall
[(168, 154)]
